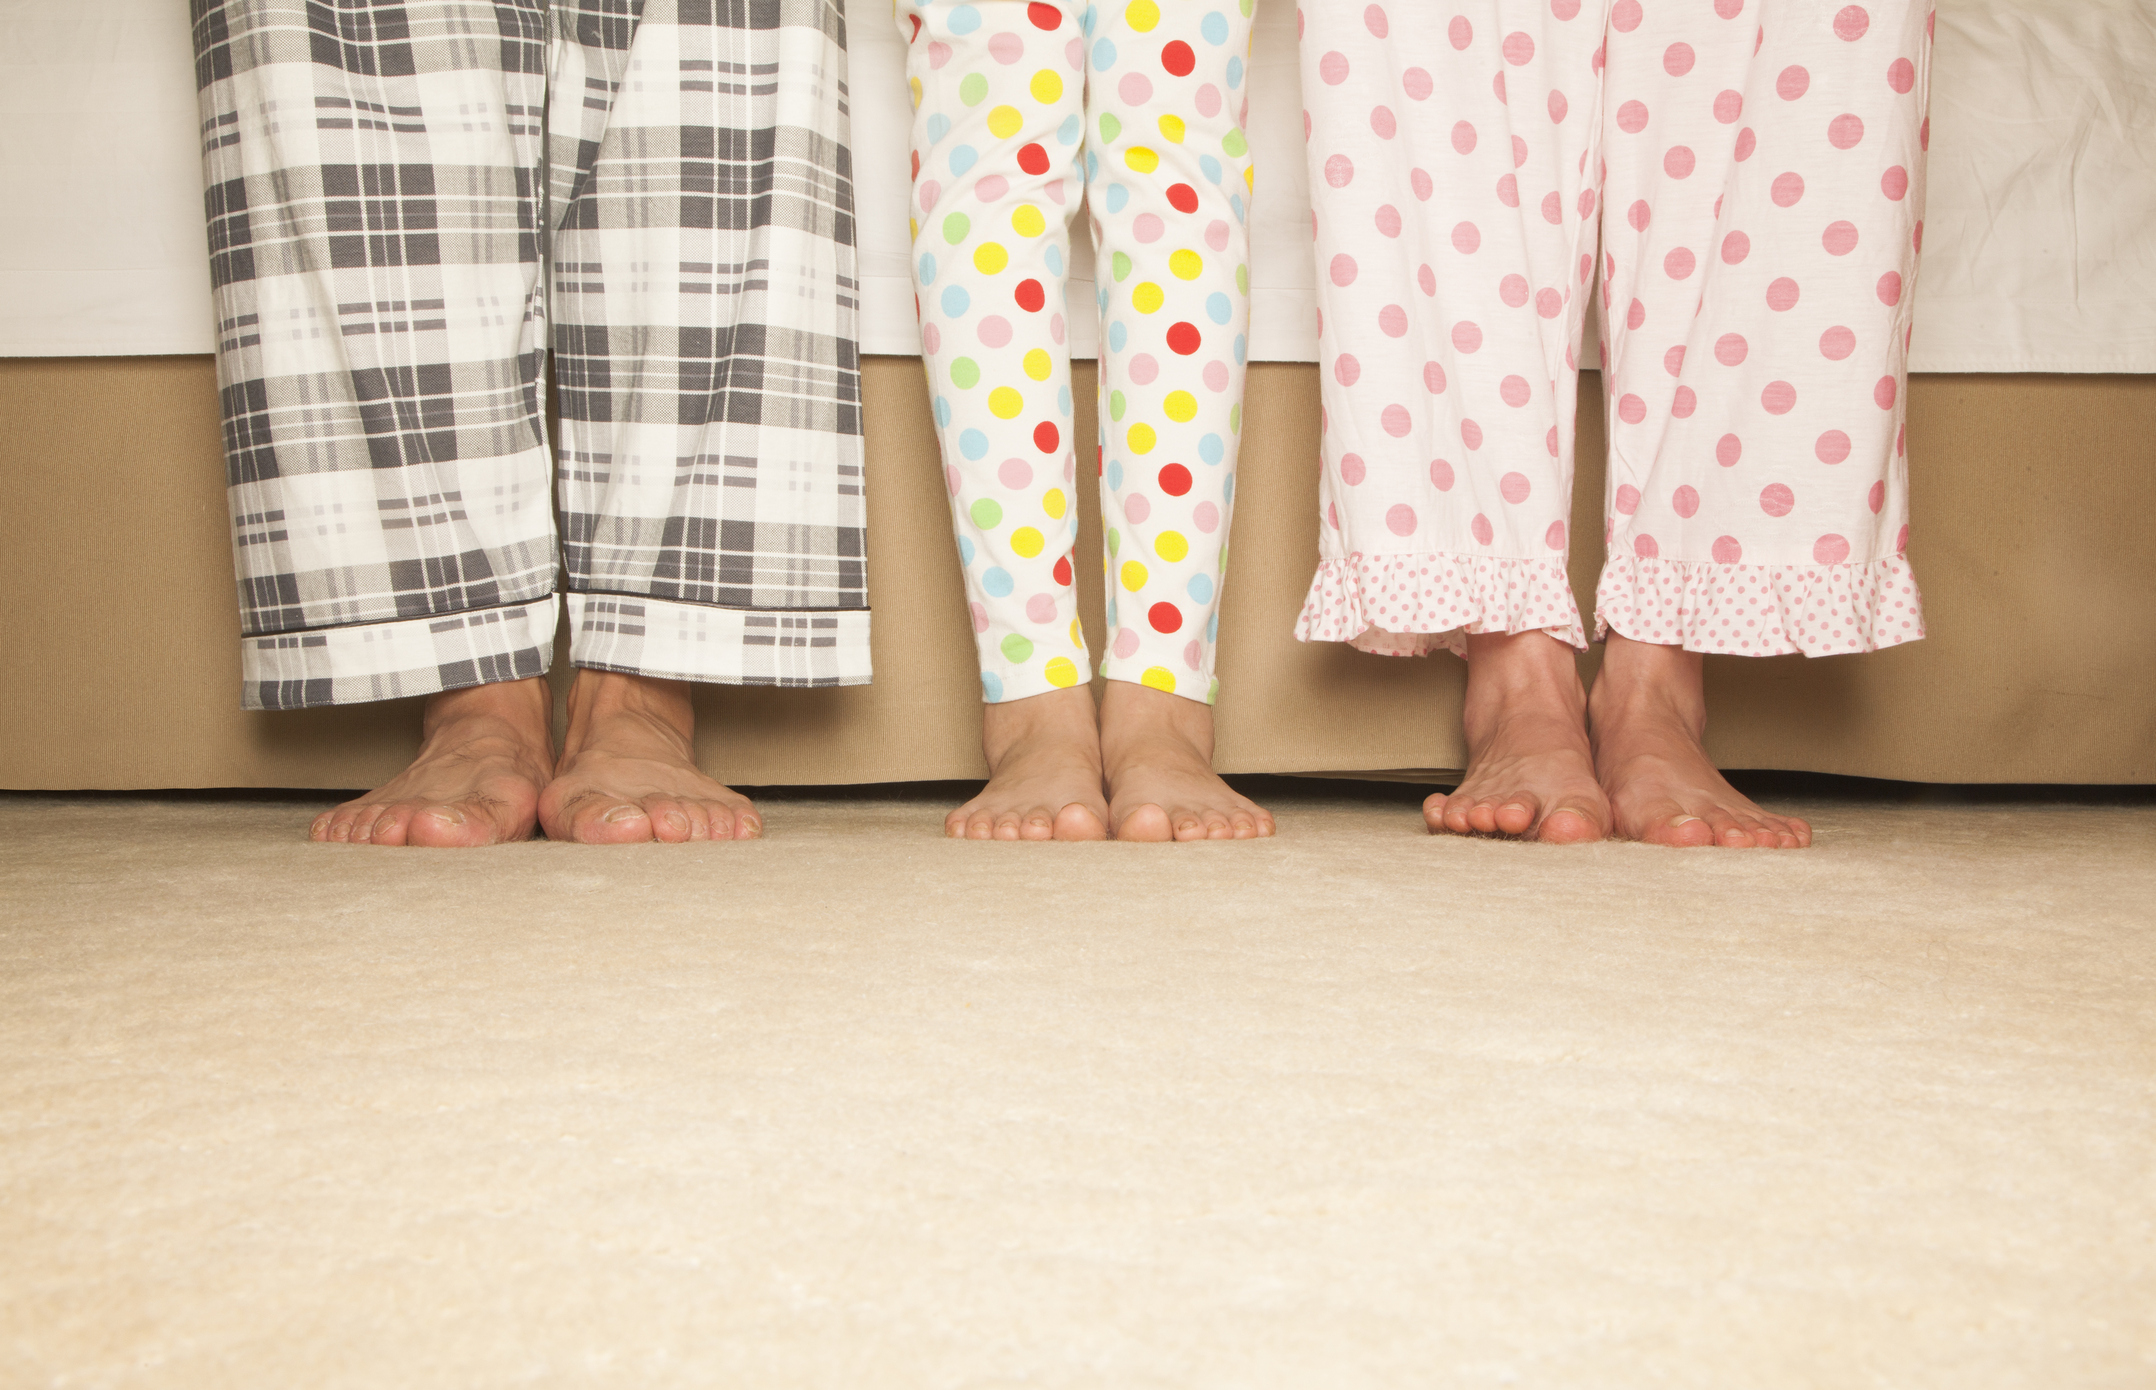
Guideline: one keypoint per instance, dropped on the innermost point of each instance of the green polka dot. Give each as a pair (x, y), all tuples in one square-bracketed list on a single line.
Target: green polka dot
[(1017, 647), (987, 513), (964, 373), (1242, 278), (973, 90), (955, 227), (1235, 419), (1110, 127), (1115, 540), (1115, 405), (1121, 266), (1246, 7), (1235, 144)]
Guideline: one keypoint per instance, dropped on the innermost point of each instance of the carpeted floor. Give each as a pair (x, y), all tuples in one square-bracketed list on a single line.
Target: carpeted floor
[(854, 1106)]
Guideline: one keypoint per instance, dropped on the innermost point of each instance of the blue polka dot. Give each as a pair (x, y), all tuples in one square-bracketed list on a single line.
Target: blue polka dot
[(1101, 297), (1115, 474), (996, 582), (928, 271), (1211, 449), (1210, 167), (1063, 400), (1092, 166), (1054, 261), (1212, 628), (1086, 21), (1103, 56), (1218, 308), (973, 444), (1067, 133), (991, 687), (1241, 350), (1235, 73), (1200, 588), (964, 157), (965, 550), (1227, 489), (956, 301), (1235, 201), (939, 125), (965, 19), (1215, 28), (1118, 197), (943, 413), (1117, 336)]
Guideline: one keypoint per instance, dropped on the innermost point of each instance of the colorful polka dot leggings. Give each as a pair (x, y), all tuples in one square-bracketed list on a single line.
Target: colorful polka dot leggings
[(1013, 104), (1755, 171)]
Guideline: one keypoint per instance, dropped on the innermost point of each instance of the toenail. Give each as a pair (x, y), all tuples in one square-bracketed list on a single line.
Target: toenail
[(449, 815), (622, 813), (1684, 820)]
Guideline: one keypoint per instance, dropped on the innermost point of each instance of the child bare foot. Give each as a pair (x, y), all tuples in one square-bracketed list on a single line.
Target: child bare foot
[(1530, 771), (1044, 779), (488, 750), (1649, 712), (628, 769), (1157, 750)]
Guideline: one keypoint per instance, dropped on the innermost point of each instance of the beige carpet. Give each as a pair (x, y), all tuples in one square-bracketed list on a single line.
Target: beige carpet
[(858, 1107)]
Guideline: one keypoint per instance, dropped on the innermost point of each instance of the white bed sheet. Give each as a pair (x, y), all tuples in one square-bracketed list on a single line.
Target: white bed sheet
[(2040, 241)]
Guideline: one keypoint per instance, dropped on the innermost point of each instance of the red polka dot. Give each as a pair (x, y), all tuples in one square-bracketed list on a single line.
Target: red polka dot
[(1460, 31), (1033, 159), (1514, 391), (1677, 59), (1513, 290), (1673, 360), (1062, 571), (1400, 519), (1419, 180), (1426, 278), (1679, 162), (1549, 441), (1030, 296), (1727, 450), (1558, 107), (1901, 75), (1645, 547), (1635, 314), (1392, 321), (1346, 369), (1352, 471), (1779, 398), (1553, 209), (1885, 393), (1889, 289), (1735, 247), (1165, 617), (1833, 447), (1466, 336), (1554, 538), (1729, 9), (1466, 239), (1901, 539), (1373, 19), (1788, 188), (1851, 23), (1837, 343), (1463, 137), (1184, 339), (1727, 551), (1793, 82), (1631, 409), (1782, 295), (1728, 106), (1480, 527), (1683, 403), (1174, 480), (1397, 421), (1877, 497), (1471, 434), (1775, 499), (1894, 183), (1685, 501), (1417, 83), (1730, 349), (1830, 550), (1519, 48), (1514, 487), (1639, 215), (1549, 303), (1343, 270), (1441, 475), (1632, 117), (1679, 264), (1382, 122), (1846, 131), (1045, 437), (1627, 499), (1333, 68), (1182, 197), (1388, 220), (1840, 238), (1508, 191), (1746, 143), (1339, 171), (1433, 377), (1044, 16)]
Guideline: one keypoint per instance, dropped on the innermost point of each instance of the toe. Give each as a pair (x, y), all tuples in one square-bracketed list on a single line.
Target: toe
[(318, 829), (612, 823), (1680, 831), (1189, 825), (721, 822), (669, 820), (394, 825), (1454, 815), (1217, 826), (1147, 823), (1266, 825), (1482, 817), (1078, 821), (1569, 825), (1243, 825), (954, 824), (748, 824), (1038, 824), (1516, 815), (1799, 831), (1007, 826), (981, 825)]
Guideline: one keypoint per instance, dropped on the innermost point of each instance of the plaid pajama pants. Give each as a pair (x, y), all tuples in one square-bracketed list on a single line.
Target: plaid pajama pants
[(410, 204)]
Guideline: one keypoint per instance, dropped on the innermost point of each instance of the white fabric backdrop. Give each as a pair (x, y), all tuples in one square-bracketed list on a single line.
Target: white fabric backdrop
[(2040, 234)]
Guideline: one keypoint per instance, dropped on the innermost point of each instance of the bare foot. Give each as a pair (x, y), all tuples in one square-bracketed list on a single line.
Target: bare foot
[(1157, 750), (628, 770), (1044, 772), (1530, 771), (488, 750), (1649, 711)]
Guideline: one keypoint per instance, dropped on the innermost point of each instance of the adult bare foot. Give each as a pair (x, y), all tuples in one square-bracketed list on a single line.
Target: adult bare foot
[(1157, 751), (1530, 771), (1648, 713), (487, 751), (628, 769), (1044, 778)]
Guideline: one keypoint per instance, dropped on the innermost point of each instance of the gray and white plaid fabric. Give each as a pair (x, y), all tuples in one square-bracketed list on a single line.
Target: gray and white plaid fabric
[(386, 180)]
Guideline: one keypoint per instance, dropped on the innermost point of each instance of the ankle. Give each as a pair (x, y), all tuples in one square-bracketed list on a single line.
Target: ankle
[(1063, 718), (1132, 716), (521, 710), (599, 699), (1646, 681)]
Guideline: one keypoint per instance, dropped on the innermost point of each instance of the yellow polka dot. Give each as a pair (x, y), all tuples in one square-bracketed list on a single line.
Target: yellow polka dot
[(1026, 541), (1186, 265), (1147, 297), (1004, 122), (1159, 677), (989, 258), (915, 84), (1141, 15), (913, 225), (1077, 632), (1141, 160), (1133, 575), (1141, 439), (1053, 503), (1170, 546), (1005, 403), (1250, 178), (1182, 407), (1061, 671), (1171, 129), (1027, 221), (1047, 87), (1039, 365)]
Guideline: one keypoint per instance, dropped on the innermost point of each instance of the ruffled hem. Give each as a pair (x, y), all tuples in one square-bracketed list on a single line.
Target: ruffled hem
[(1413, 605), (1760, 610)]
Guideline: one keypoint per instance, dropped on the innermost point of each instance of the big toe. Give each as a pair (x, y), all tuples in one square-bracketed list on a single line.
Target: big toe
[(1569, 825), (1078, 821), (612, 823), (1148, 823), (1681, 831)]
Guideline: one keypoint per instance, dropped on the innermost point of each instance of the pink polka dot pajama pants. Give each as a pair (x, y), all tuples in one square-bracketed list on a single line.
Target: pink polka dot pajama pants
[(1014, 103), (1754, 172)]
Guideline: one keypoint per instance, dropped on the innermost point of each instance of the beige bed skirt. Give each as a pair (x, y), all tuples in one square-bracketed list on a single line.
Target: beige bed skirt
[(2034, 497)]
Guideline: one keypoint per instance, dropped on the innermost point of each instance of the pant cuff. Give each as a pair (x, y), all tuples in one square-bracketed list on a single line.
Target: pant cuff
[(678, 641), (1201, 686), (1413, 605), (1760, 610), (388, 661)]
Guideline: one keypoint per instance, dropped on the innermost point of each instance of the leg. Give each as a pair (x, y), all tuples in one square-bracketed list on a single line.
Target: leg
[(709, 368), (1168, 173), (377, 284), (1770, 168), (995, 141), (1455, 227)]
